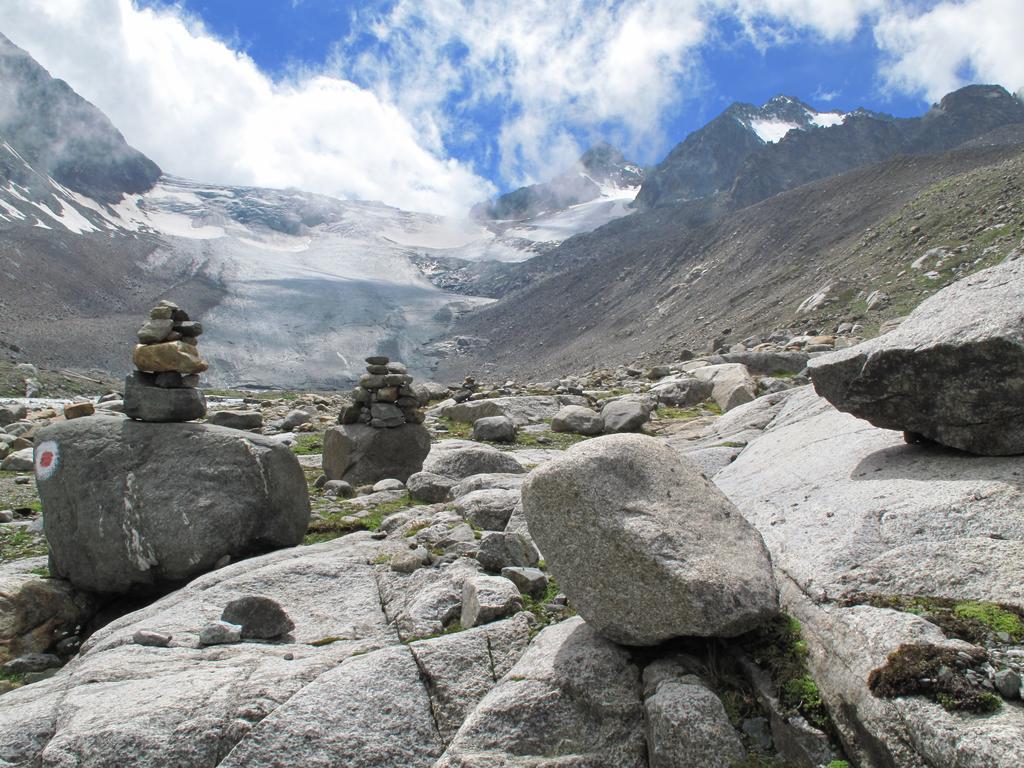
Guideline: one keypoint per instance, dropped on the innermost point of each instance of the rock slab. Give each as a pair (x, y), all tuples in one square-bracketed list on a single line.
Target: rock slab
[(644, 546), (951, 372)]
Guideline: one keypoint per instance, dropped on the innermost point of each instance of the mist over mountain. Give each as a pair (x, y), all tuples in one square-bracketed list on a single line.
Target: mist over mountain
[(600, 169), (61, 135)]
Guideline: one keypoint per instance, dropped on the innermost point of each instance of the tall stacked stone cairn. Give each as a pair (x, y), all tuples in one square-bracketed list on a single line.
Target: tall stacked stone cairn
[(384, 398), (163, 388), (122, 516), (381, 434)]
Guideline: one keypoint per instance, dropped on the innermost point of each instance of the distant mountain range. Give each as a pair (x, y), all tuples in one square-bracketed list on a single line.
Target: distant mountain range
[(295, 288)]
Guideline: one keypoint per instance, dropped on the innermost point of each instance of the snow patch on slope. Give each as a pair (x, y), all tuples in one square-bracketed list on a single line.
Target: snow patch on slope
[(771, 131)]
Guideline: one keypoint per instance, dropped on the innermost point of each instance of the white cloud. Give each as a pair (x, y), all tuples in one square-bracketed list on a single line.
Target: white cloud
[(533, 82), (569, 72), (937, 50), (205, 111)]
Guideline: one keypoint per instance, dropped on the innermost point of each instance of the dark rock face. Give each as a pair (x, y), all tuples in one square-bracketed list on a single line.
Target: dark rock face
[(727, 157), (259, 617), (951, 372), (59, 133), (147, 402), (130, 505), (360, 454)]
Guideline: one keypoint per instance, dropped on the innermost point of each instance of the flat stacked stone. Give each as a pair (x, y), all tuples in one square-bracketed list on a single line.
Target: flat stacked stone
[(384, 398), (163, 388)]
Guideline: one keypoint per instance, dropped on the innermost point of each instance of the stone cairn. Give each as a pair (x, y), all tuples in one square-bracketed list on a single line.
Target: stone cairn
[(163, 388), (384, 398)]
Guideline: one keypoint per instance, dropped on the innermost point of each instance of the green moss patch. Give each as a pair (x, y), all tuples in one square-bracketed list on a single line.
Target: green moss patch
[(934, 672), (976, 622), (18, 544), (348, 518), (778, 648), (308, 444)]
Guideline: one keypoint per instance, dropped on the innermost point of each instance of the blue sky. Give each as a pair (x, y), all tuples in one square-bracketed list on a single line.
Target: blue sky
[(436, 104), (284, 34)]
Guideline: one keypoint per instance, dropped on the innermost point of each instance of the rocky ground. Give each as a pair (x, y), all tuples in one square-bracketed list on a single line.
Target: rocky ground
[(463, 617)]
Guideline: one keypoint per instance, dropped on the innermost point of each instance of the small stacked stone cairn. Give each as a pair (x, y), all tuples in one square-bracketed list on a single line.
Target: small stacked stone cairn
[(384, 398), (163, 388)]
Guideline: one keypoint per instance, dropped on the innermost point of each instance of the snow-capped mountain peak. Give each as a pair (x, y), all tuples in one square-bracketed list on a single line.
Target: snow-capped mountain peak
[(782, 114)]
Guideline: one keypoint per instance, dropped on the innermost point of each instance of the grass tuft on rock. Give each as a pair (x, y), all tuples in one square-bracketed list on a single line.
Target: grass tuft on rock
[(347, 518), (779, 648)]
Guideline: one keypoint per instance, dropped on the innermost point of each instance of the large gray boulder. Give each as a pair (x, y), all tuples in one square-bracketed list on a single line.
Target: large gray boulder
[(495, 429), (236, 419), (461, 459), (625, 415), (731, 384), (683, 391), (578, 420), (132, 504), (951, 371), (644, 546), (362, 455), (573, 699), (19, 461)]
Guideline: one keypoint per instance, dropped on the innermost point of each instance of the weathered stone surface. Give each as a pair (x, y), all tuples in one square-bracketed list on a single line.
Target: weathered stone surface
[(189, 706), (529, 581), (122, 514), (428, 487), (495, 429), (486, 598), (19, 461), (573, 699), (950, 372), (489, 509), (12, 413), (625, 416), (868, 513), (499, 549), (731, 384), (765, 363), (78, 410), (155, 330), (146, 402), (488, 481), (578, 420), (36, 611), (460, 459), (363, 455), (644, 546), (341, 720), (461, 668), (236, 419), (686, 724), (683, 392), (428, 601), (168, 356), (523, 410)]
